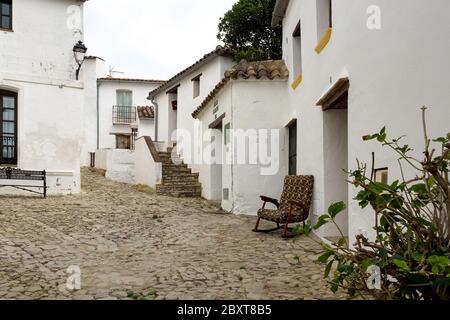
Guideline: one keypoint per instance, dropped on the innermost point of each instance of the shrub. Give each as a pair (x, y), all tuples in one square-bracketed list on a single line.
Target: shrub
[(410, 256)]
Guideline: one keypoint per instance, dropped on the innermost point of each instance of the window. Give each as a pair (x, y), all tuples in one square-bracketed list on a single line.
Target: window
[(8, 127), (196, 85), (227, 135), (124, 98), (124, 112), (297, 51), (6, 14), (324, 17), (382, 175)]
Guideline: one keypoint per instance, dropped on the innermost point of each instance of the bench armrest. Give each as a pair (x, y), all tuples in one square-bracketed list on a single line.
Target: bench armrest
[(270, 200)]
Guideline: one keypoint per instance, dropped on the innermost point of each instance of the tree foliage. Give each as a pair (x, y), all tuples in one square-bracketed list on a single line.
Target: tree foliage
[(247, 29)]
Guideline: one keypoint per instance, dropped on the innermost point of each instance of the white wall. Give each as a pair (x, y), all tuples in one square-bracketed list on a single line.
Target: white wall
[(249, 104), (148, 172), (146, 128), (212, 73), (118, 164), (392, 72), (108, 99), (36, 61), (93, 68)]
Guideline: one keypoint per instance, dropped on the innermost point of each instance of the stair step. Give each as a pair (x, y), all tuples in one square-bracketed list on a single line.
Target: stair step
[(177, 189), (176, 171), (186, 184), (178, 180), (183, 194)]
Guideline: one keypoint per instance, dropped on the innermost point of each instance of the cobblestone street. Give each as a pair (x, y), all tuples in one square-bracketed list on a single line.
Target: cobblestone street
[(128, 241)]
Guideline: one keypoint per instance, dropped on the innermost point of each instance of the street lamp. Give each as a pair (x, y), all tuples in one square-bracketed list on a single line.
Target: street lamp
[(79, 51)]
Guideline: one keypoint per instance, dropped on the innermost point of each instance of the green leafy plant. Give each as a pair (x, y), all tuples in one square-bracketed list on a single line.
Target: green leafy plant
[(412, 225)]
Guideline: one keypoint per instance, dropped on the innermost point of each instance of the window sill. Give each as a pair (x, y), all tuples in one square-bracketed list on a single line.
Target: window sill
[(6, 30), (324, 40), (297, 82)]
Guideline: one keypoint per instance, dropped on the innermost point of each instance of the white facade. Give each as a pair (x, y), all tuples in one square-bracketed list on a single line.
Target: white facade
[(107, 95), (169, 119), (254, 108), (37, 63), (392, 72)]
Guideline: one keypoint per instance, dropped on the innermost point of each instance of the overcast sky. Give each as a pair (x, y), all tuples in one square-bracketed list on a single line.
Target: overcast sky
[(152, 38)]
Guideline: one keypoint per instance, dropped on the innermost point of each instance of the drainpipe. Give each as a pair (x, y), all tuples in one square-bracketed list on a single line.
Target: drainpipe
[(153, 101), (98, 115)]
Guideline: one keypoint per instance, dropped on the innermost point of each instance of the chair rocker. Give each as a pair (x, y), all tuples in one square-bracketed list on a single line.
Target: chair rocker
[(293, 207)]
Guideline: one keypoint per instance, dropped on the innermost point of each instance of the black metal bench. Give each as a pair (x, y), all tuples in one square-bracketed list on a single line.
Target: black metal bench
[(12, 174)]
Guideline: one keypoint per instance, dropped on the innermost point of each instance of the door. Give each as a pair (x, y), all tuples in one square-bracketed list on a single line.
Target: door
[(293, 149), (8, 127), (123, 142)]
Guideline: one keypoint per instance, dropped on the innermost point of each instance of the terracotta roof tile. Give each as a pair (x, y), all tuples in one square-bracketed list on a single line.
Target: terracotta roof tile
[(146, 112), (270, 69)]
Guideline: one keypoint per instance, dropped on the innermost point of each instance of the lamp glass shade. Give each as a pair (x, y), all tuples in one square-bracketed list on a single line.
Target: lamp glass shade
[(79, 51)]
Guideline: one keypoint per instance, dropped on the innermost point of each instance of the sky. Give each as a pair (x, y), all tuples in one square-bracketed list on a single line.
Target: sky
[(152, 39)]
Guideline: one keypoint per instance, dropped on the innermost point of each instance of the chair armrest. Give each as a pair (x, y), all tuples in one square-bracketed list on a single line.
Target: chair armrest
[(270, 200)]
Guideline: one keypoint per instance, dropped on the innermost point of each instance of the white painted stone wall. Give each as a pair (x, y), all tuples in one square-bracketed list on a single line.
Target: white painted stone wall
[(36, 61), (108, 99), (118, 164), (248, 105), (148, 172), (393, 72), (212, 73), (93, 68)]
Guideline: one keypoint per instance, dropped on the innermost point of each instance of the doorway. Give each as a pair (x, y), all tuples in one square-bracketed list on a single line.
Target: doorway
[(217, 138), (335, 150), (292, 127), (8, 127)]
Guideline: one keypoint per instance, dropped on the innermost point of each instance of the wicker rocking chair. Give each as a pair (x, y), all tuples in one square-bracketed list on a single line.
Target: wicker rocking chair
[(293, 207)]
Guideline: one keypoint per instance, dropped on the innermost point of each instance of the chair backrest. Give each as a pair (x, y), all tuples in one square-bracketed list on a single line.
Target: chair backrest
[(298, 188)]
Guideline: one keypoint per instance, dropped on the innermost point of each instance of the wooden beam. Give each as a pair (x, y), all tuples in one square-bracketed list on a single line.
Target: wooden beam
[(337, 91)]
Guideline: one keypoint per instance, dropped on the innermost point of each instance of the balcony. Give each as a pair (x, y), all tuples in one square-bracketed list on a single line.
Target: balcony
[(8, 149), (124, 115)]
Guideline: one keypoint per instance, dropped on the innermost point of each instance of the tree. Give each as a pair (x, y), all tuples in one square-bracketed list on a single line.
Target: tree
[(247, 29)]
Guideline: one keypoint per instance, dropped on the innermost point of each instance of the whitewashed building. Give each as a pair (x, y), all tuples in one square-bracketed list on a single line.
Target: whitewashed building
[(119, 101), (41, 99), (355, 67), (245, 119), (122, 115), (177, 98), (173, 102)]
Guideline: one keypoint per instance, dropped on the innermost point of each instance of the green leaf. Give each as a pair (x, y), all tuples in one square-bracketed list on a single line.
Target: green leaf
[(420, 188), (440, 140), (402, 264), (328, 269), (323, 220), (431, 182), (342, 242), (438, 263), (324, 257), (336, 208), (335, 285)]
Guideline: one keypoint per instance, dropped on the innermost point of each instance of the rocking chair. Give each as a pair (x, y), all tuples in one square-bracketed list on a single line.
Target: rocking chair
[(293, 207)]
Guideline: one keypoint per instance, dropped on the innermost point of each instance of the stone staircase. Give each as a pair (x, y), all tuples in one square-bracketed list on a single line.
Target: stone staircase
[(177, 179)]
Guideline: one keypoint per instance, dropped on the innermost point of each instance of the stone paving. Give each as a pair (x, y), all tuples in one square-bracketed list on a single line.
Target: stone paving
[(128, 243)]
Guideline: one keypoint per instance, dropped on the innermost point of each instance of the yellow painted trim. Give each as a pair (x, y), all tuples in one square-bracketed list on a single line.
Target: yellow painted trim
[(324, 40), (297, 82)]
